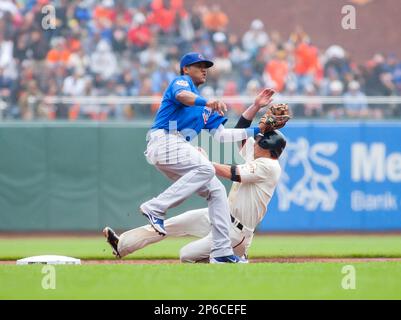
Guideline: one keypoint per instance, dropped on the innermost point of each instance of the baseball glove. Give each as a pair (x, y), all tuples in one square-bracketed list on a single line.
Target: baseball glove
[(275, 117)]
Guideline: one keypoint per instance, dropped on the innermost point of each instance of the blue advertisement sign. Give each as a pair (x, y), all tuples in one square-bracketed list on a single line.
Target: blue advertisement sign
[(338, 177)]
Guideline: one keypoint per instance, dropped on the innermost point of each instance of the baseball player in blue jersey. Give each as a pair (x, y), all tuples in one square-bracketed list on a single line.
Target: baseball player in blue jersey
[(251, 192), (182, 115)]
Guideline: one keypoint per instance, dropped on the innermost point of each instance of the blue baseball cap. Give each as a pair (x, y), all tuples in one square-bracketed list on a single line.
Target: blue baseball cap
[(194, 57)]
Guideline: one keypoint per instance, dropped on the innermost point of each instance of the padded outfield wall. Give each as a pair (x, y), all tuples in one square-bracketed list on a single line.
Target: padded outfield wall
[(338, 176)]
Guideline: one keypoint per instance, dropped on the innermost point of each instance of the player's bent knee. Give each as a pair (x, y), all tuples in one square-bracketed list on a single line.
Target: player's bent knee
[(207, 170), (217, 188), (186, 256)]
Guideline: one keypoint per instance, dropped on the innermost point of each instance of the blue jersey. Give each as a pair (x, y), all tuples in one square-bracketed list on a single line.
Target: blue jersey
[(173, 115)]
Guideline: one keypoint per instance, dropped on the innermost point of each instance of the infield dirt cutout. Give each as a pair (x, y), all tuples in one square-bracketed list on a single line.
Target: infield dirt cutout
[(256, 260)]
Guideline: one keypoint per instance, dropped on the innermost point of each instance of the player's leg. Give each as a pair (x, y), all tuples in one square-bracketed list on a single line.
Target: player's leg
[(219, 215), (241, 241), (196, 173), (191, 171), (191, 223), (200, 250), (197, 251)]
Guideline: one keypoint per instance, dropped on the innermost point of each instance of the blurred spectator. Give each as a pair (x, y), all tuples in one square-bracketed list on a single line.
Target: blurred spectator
[(306, 64), (6, 51), (277, 69), (104, 61), (133, 48), (374, 79), (139, 34), (290, 91), (336, 61), (355, 101), (335, 111), (253, 88), (313, 108), (255, 37), (75, 84), (79, 61), (38, 46), (30, 102), (59, 52), (215, 20)]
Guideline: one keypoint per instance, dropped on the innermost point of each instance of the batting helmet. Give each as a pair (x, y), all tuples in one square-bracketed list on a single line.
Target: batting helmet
[(273, 141), (192, 58)]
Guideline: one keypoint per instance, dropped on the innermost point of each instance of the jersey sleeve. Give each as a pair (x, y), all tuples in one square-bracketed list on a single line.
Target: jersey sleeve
[(179, 84), (214, 121), (252, 172)]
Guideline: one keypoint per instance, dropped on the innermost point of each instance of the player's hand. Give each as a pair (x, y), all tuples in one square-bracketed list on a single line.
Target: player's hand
[(218, 106), (275, 117), (264, 98)]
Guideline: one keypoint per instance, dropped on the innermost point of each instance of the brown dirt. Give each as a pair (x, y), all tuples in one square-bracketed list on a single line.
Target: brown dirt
[(257, 260), (91, 234)]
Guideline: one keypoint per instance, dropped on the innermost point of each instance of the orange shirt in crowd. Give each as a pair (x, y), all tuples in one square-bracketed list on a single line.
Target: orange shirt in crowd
[(100, 13), (74, 45), (215, 21), (306, 59), (161, 16), (278, 71), (164, 18), (55, 55)]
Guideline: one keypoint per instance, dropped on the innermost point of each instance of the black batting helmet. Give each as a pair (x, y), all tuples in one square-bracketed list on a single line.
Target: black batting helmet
[(273, 141)]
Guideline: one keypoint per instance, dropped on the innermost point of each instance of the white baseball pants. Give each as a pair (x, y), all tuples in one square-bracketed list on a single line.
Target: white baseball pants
[(191, 223)]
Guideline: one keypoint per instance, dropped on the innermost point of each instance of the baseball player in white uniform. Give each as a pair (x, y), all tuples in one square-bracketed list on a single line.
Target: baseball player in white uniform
[(253, 187), (181, 117)]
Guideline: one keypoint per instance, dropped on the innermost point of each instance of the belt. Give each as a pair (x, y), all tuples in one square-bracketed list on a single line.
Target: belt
[(239, 224), (162, 132)]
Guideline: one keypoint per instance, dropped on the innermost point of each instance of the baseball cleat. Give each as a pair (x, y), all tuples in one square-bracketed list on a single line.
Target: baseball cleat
[(156, 223), (112, 239), (227, 259), (244, 258)]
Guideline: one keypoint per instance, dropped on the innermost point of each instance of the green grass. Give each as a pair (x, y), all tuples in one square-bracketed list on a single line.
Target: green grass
[(262, 246), (374, 280), (238, 282)]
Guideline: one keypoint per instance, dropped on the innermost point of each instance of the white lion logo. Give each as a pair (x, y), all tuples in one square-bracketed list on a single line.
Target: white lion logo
[(314, 187)]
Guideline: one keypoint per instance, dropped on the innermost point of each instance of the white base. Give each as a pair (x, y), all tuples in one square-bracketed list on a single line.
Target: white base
[(48, 259)]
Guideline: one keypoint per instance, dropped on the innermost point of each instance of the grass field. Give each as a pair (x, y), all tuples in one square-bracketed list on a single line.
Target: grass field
[(309, 280)]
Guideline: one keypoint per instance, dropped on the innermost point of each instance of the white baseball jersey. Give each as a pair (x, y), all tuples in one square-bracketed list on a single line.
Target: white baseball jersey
[(249, 199)]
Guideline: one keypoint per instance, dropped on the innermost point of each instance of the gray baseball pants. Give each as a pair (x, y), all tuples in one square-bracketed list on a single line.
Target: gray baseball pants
[(192, 173)]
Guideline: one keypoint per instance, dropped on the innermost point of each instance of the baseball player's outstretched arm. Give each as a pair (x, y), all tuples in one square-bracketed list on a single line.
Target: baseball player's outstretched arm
[(261, 100), (224, 171), (264, 98), (191, 99)]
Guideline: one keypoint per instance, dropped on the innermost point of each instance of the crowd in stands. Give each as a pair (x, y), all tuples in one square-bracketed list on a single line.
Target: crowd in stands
[(132, 48)]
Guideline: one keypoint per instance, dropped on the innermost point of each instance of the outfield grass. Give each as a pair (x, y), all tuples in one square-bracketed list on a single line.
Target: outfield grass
[(262, 246), (239, 282)]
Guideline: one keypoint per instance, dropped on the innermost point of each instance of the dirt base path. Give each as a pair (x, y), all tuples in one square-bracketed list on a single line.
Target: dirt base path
[(257, 260)]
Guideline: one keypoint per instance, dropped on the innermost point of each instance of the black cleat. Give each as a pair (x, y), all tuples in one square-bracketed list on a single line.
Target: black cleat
[(112, 239)]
